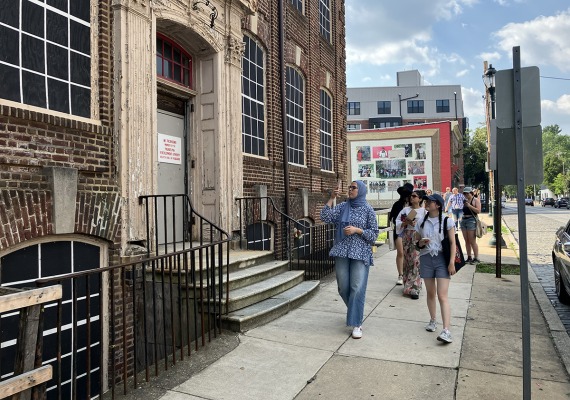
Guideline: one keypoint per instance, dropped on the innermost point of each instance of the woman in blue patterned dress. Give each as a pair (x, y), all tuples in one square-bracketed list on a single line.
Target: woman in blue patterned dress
[(356, 231)]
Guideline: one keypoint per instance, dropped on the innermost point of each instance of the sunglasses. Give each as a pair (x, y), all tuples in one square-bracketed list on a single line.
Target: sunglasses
[(353, 187), (414, 195)]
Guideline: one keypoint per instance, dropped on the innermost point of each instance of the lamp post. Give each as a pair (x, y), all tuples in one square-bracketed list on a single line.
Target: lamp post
[(496, 239)]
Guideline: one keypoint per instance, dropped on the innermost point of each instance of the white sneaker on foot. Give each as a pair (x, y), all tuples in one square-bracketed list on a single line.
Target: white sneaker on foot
[(357, 332), (445, 336), (400, 280)]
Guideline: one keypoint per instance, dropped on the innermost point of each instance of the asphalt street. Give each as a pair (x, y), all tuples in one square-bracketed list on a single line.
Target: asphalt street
[(541, 225)]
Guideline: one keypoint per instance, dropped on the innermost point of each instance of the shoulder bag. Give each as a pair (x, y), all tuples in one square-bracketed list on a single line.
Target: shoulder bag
[(459, 258)]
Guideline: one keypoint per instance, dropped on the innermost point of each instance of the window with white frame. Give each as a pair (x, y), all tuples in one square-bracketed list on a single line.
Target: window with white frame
[(298, 4), (45, 54), (353, 127), (253, 98), (326, 131), (295, 116), (325, 18)]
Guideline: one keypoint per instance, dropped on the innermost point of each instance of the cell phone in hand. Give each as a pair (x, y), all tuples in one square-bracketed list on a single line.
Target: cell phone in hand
[(411, 215)]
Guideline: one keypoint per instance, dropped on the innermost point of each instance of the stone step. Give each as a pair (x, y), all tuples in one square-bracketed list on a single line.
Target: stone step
[(254, 293), (251, 275), (269, 309)]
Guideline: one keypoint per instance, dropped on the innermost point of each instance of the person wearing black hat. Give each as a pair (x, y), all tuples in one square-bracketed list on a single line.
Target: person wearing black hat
[(434, 269), (404, 191), (405, 225)]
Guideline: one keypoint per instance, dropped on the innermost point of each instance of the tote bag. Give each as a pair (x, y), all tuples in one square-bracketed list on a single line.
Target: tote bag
[(459, 258), (481, 228)]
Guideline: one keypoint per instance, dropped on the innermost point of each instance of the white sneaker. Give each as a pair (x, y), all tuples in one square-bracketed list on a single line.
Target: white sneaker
[(357, 332), (400, 280)]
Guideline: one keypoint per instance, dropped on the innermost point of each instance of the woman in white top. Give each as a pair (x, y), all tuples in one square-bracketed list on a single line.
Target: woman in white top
[(405, 226), (434, 269)]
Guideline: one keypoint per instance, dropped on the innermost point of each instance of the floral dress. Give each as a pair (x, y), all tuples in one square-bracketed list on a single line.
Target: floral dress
[(411, 274)]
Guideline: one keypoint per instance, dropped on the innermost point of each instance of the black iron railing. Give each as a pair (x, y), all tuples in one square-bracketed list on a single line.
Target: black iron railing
[(262, 226), (121, 324)]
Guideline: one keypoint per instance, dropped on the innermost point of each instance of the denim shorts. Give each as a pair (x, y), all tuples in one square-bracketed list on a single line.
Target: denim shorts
[(433, 266), (469, 224)]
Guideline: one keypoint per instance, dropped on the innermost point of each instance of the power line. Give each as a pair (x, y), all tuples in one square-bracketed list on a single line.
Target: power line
[(554, 77)]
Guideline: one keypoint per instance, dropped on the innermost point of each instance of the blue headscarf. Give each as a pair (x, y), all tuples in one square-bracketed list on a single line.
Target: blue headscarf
[(358, 201)]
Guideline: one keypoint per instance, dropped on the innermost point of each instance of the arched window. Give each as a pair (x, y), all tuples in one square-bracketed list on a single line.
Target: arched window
[(253, 98), (172, 62), (295, 116), (326, 131)]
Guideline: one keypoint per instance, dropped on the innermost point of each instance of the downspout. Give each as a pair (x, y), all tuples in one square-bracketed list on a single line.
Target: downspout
[(281, 22)]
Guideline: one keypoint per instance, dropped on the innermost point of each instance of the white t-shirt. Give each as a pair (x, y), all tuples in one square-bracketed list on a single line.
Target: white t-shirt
[(420, 214), (432, 232)]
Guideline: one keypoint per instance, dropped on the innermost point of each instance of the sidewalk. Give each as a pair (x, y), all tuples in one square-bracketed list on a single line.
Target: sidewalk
[(309, 354)]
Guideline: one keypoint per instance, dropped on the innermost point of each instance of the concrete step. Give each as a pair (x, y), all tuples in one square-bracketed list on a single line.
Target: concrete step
[(251, 275), (269, 309), (251, 294)]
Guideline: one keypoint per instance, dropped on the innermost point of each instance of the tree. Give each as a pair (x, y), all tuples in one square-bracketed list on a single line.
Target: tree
[(474, 158), (561, 184), (556, 154)]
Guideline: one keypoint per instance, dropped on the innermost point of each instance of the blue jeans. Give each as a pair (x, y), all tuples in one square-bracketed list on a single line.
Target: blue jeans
[(352, 278), (457, 216)]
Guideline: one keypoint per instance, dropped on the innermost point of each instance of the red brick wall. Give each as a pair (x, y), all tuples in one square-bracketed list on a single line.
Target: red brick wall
[(33, 140), (317, 57)]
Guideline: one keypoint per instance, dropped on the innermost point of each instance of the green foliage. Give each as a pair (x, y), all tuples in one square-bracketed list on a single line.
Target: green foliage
[(561, 184), (474, 157), (556, 159)]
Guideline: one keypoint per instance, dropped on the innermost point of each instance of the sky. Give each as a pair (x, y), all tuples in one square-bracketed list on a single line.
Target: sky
[(448, 41)]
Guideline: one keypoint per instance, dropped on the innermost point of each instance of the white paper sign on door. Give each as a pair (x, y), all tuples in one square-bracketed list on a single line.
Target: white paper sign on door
[(169, 149)]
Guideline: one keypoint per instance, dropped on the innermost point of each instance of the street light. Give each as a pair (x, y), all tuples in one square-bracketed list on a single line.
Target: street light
[(497, 239)]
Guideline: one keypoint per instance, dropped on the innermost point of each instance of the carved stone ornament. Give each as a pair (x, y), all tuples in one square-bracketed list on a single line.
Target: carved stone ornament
[(234, 50), (251, 5)]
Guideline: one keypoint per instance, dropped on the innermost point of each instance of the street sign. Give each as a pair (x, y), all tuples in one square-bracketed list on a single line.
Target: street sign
[(507, 159), (530, 97)]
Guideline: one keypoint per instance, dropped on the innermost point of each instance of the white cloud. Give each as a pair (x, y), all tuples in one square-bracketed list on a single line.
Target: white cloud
[(560, 106), (473, 105), (491, 57), (375, 37), (366, 79), (461, 73), (543, 40)]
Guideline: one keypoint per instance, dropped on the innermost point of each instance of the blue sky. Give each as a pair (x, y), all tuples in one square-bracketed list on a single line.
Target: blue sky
[(448, 40)]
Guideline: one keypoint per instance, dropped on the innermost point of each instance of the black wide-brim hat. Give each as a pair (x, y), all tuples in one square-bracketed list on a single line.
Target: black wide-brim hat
[(406, 189)]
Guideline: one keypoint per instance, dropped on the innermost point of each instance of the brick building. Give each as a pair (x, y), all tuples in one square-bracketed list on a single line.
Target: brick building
[(104, 101)]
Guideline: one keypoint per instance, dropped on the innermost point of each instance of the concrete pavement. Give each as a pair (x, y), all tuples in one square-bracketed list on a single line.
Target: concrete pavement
[(309, 354)]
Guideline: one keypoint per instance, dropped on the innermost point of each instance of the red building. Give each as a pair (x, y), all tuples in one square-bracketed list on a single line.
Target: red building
[(430, 156)]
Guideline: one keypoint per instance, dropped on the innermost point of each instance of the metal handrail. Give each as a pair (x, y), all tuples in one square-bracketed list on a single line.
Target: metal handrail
[(314, 261)]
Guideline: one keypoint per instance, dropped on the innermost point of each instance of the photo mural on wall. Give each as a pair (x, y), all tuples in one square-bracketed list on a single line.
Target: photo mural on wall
[(385, 165)]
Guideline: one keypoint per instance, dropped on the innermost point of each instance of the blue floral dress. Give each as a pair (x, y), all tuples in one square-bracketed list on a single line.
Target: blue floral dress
[(356, 247)]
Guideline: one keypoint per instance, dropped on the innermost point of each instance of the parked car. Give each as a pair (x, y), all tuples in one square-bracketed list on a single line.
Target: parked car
[(562, 202), (528, 202), (549, 201), (561, 262)]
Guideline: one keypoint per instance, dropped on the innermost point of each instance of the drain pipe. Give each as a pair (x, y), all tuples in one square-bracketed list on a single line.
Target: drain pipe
[(281, 22)]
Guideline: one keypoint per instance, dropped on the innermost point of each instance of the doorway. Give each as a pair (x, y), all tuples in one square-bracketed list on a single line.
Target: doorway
[(171, 173)]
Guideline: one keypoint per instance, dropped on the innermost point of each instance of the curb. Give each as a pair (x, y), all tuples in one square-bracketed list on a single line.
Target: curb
[(557, 330)]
